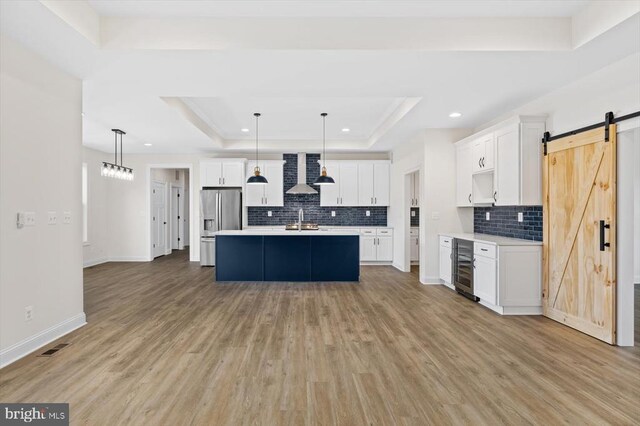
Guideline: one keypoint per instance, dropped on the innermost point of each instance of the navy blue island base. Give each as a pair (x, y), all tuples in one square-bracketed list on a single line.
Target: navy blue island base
[(287, 257)]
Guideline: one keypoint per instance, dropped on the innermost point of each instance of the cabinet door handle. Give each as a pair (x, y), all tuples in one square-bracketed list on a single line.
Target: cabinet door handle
[(482, 249), (480, 162), (469, 198), (375, 200), (337, 200), (474, 263), (371, 200), (495, 196), (224, 180), (219, 181)]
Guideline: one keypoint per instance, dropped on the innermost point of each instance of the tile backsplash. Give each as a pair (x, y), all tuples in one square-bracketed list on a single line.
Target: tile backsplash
[(310, 203), (415, 216), (504, 221)]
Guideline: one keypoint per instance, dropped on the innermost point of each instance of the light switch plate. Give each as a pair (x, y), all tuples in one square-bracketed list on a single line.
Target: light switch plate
[(333, 213), (269, 213), (52, 218), (66, 218), (488, 216), (520, 217), (368, 213), (29, 219)]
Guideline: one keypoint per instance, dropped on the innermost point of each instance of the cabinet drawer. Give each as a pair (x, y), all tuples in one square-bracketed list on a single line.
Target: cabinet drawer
[(384, 231), (366, 231), (445, 241), (414, 232), (485, 250)]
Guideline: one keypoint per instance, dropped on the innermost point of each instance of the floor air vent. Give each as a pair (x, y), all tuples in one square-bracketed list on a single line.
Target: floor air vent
[(51, 352)]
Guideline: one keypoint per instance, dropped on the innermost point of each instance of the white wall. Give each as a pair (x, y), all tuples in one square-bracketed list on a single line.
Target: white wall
[(405, 159), (41, 168), (432, 153), (96, 249), (636, 209), (438, 198)]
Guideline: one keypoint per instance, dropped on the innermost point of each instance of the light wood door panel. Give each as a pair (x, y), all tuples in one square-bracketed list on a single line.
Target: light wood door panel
[(579, 183)]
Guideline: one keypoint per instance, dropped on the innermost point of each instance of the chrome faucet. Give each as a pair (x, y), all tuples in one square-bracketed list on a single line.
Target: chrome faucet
[(300, 219)]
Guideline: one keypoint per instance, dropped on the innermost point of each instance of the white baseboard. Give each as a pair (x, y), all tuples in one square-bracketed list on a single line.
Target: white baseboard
[(430, 281), (33, 343), (95, 262), (129, 259)]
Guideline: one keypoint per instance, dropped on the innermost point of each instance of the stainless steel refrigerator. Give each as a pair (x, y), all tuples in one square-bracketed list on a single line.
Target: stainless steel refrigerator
[(220, 209)]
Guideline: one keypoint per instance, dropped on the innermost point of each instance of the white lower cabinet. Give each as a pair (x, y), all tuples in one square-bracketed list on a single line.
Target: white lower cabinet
[(445, 259), (376, 245), (507, 275), (484, 279), (414, 245)]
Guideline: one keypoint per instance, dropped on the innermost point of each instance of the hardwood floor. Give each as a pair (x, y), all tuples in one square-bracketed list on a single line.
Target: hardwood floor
[(166, 345)]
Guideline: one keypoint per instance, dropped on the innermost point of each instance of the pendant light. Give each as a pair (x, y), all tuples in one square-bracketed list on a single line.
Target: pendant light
[(115, 170), (257, 179), (323, 179)]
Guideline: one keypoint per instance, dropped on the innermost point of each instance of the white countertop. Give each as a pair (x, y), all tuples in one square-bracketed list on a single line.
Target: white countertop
[(321, 232), (492, 239)]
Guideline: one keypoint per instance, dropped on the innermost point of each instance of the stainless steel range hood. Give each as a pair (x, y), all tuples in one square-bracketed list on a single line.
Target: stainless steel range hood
[(302, 187)]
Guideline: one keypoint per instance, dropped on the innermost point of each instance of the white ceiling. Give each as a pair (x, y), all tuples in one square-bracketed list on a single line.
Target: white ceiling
[(366, 90), (340, 8), (294, 118)]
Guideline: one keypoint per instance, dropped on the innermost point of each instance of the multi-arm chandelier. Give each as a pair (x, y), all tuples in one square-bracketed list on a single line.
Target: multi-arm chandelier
[(115, 170)]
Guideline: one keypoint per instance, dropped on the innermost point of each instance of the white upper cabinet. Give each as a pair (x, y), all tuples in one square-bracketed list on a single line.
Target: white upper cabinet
[(358, 183), (483, 153), (507, 175), (373, 183), (226, 172), (505, 165), (270, 194), (463, 175), (348, 184), (414, 192)]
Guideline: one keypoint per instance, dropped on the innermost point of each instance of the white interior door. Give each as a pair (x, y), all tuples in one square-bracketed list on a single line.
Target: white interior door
[(158, 219)]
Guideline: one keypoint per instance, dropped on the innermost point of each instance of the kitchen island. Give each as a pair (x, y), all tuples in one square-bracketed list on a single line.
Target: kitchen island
[(261, 255)]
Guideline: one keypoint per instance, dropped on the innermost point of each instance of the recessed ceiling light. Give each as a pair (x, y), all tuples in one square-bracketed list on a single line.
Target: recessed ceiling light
[(244, 130), (148, 144), (346, 130), (455, 115)]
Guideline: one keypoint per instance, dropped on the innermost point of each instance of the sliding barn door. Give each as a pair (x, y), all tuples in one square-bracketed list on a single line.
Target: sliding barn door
[(579, 208)]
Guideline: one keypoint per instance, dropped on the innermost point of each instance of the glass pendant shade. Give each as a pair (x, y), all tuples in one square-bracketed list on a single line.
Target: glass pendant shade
[(115, 170)]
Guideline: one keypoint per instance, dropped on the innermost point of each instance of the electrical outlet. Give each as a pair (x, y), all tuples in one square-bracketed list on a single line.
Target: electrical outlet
[(488, 216), (413, 213), (66, 218), (333, 213), (28, 313), (520, 217), (52, 218), (269, 213), (368, 213), (29, 219)]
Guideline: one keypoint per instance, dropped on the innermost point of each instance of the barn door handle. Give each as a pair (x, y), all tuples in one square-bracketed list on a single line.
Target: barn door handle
[(603, 226)]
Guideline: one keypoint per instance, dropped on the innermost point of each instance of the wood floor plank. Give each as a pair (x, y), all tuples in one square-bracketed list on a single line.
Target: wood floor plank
[(165, 344)]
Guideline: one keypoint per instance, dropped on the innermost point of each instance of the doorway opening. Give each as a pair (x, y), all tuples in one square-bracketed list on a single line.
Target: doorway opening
[(414, 221), (169, 210)]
